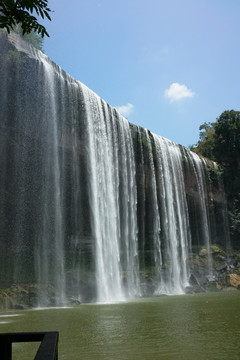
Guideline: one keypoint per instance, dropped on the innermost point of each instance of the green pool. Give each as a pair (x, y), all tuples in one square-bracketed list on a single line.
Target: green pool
[(199, 327)]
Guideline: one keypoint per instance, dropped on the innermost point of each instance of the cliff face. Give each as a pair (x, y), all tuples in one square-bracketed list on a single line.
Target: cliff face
[(215, 198), (91, 204)]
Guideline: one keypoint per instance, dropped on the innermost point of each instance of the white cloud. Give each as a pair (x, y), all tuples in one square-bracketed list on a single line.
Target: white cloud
[(177, 92), (125, 110)]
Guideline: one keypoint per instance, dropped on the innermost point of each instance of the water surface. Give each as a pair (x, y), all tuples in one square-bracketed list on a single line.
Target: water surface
[(203, 327)]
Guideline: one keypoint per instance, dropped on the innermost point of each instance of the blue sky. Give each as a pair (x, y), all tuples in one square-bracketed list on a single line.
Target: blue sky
[(168, 66)]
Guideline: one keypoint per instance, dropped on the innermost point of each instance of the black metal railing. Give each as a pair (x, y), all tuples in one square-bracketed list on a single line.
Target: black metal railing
[(48, 349)]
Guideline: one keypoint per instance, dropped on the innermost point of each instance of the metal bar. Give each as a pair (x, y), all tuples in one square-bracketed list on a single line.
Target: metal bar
[(5, 350), (48, 349), (22, 336)]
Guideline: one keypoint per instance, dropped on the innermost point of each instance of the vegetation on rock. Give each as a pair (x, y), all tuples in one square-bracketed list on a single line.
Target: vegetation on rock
[(36, 40), (220, 141)]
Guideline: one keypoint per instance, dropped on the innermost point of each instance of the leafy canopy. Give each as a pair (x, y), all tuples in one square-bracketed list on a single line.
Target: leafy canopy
[(227, 133), (220, 140), (13, 12), (205, 146)]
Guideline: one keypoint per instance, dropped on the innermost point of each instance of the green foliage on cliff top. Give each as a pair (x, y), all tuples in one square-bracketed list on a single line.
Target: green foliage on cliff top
[(220, 140), (14, 12), (206, 141)]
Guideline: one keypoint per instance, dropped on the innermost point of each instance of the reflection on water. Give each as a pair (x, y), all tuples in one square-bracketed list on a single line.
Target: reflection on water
[(10, 315), (203, 327), (6, 318)]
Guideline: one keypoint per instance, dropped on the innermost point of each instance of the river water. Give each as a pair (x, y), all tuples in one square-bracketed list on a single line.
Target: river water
[(202, 327)]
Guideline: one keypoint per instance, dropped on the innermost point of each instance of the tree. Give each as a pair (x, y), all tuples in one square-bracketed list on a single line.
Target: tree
[(206, 143), (227, 138), (220, 141), (13, 12), (227, 151)]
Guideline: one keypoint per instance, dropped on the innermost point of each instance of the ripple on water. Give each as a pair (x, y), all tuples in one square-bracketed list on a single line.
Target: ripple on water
[(10, 315), (6, 318)]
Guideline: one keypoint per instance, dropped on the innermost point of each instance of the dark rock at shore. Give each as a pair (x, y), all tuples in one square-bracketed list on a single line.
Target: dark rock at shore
[(194, 287)]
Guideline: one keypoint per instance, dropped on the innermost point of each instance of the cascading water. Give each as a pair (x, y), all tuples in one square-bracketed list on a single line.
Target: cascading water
[(199, 168), (104, 202), (175, 214), (49, 249), (113, 200), (93, 208)]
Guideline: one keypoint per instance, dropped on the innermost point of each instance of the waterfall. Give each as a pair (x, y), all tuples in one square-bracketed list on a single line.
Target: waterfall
[(104, 201), (93, 208), (175, 214), (113, 200), (199, 169), (49, 249)]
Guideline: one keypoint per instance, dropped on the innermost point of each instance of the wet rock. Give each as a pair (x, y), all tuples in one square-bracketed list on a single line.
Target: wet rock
[(212, 283), (195, 287), (211, 278), (193, 281), (222, 258), (189, 290), (218, 286), (203, 252), (74, 301), (19, 307), (222, 267), (233, 280)]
